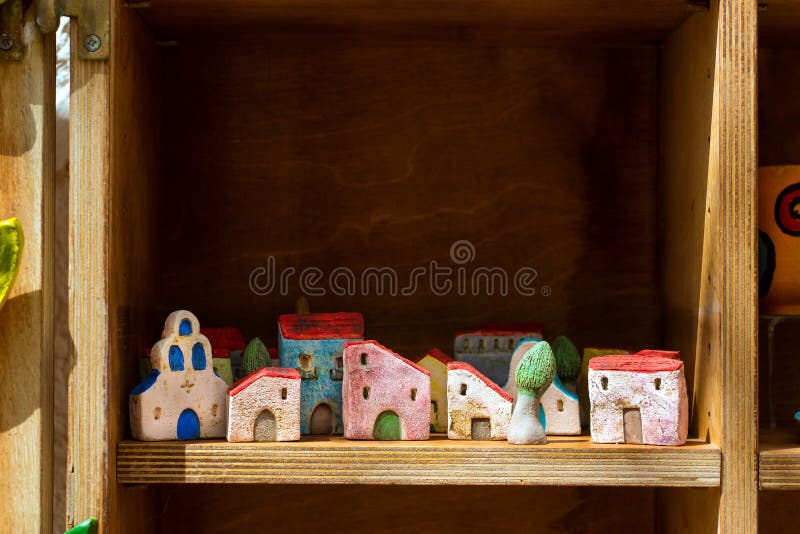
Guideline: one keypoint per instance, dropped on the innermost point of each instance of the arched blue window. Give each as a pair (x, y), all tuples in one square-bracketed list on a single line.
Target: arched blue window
[(185, 329), (198, 357), (188, 425), (175, 358)]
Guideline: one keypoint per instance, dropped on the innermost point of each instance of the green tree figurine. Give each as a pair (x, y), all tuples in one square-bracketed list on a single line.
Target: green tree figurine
[(533, 376), (256, 356), (568, 362)]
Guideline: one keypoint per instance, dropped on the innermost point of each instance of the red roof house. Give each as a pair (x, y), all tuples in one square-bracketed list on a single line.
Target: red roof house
[(265, 406), (384, 396), (638, 398)]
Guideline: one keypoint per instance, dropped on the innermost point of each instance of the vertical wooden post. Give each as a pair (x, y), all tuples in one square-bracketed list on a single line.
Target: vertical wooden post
[(27, 168), (88, 454), (737, 53)]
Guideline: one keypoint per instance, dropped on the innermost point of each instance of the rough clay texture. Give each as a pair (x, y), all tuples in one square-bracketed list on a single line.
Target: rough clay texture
[(438, 370), (665, 412), (583, 379), (480, 401), (536, 370), (154, 412), (390, 379), (565, 421), (519, 352), (557, 422), (568, 361), (265, 394), (255, 357)]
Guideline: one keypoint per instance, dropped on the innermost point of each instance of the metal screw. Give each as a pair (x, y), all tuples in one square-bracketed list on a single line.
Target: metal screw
[(92, 43), (6, 41)]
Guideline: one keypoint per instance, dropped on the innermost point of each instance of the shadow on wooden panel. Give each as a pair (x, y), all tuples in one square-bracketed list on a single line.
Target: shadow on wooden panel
[(687, 510), (778, 511), (371, 157), (459, 509)]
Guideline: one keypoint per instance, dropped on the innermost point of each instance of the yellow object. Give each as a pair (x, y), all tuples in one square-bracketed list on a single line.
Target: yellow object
[(435, 361), (12, 242)]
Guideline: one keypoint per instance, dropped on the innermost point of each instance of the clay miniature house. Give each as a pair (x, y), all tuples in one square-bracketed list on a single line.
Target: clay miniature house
[(265, 406), (182, 397), (313, 343), (436, 362), (477, 407), (559, 410), (489, 349), (638, 398), (228, 344), (386, 396)]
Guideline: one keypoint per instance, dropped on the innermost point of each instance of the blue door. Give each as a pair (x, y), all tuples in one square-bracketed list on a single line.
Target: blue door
[(188, 425)]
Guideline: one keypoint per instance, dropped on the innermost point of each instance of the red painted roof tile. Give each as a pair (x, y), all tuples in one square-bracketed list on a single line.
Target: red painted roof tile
[(467, 367), (634, 363), (322, 325), (390, 351), (224, 338), (438, 354), (277, 372), (673, 354)]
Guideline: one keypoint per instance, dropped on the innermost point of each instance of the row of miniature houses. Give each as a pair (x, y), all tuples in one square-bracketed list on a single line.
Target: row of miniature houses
[(332, 381)]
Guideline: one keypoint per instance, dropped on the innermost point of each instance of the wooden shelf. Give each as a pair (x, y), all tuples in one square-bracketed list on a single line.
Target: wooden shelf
[(603, 20), (779, 460), (567, 461)]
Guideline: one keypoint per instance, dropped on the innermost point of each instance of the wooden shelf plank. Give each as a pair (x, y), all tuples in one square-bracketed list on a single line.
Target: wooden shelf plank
[(565, 461), (604, 20), (779, 461)]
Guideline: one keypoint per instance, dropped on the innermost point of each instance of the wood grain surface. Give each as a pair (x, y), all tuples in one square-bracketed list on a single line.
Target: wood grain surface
[(563, 461), (779, 460), (400, 509), (500, 21), (27, 167), (737, 271), (385, 157)]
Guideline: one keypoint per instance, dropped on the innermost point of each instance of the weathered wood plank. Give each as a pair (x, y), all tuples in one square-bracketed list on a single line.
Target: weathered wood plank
[(563, 461), (27, 167)]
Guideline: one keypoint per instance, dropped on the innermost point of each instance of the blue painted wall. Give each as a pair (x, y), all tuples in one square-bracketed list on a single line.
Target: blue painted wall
[(323, 388)]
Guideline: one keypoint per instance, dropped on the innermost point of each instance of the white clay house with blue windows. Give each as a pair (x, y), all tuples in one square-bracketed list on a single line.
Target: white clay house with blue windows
[(182, 397)]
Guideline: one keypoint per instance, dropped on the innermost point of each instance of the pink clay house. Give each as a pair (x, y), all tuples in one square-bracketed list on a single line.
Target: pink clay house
[(385, 396)]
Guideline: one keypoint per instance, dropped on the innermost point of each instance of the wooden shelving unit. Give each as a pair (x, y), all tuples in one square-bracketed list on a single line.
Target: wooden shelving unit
[(565, 461), (611, 145), (779, 395)]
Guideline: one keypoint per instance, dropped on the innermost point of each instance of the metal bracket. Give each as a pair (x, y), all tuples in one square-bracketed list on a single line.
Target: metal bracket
[(92, 17), (11, 44)]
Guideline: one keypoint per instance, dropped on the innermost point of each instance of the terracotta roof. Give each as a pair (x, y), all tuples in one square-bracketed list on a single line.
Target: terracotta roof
[(634, 363), (277, 372), (224, 338), (437, 354), (390, 351), (672, 354), (467, 367), (322, 326)]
